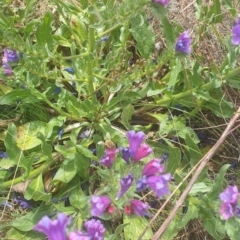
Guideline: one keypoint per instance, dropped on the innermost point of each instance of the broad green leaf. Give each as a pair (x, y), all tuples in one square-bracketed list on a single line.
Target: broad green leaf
[(232, 227), (66, 172), (13, 152), (176, 69), (27, 134), (194, 153), (211, 223), (15, 234), (54, 122), (81, 164), (86, 152), (4, 89), (217, 184), (143, 35), (46, 148), (27, 222), (44, 31), (127, 114), (23, 96), (174, 159), (36, 191), (199, 187), (117, 232), (135, 226)]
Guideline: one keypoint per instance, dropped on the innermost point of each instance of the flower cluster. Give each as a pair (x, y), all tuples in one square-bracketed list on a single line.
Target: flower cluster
[(57, 229), (152, 177), (10, 56), (229, 207)]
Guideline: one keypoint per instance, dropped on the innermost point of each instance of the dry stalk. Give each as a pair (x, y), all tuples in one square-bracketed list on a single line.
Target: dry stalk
[(200, 166)]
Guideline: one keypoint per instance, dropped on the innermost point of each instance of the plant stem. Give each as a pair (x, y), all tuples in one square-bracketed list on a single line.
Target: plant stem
[(91, 45), (31, 175)]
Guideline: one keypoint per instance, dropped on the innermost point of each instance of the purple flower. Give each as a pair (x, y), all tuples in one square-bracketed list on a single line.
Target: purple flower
[(141, 184), (54, 229), (7, 69), (230, 195), (24, 204), (10, 55), (99, 205), (125, 183), (183, 43), (136, 148), (142, 152), (126, 155), (159, 184), (236, 32), (153, 167), (138, 207), (109, 157), (227, 210), (95, 229), (230, 199), (163, 2)]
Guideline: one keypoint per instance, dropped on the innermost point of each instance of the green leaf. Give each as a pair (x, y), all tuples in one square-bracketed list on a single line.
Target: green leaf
[(174, 160), (36, 191), (66, 172), (127, 114), (86, 152), (27, 134), (13, 152), (194, 152), (44, 31), (199, 187), (81, 164), (24, 96), (143, 35), (176, 69), (217, 184), (135, 226), (46, 148), (15, 234), (27, 222), (232, 227), (211, 223), (54, 122)]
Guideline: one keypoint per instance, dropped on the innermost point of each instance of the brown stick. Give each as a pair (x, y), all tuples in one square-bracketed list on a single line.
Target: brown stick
[(203, 163)]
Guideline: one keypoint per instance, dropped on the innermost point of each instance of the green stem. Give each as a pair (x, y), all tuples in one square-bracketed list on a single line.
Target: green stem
[(233, 73), (76, 56), (91, 45), (50, 104), (31, 175), (167, 100)]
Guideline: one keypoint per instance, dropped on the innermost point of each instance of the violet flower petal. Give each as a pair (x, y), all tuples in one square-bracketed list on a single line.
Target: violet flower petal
[(125, 183), (159, 184), (139, 208), (153, 167), (54, 229), (183, 43), (99, 204)]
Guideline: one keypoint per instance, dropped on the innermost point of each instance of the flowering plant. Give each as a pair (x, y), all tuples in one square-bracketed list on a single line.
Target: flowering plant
[(99, 102)]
